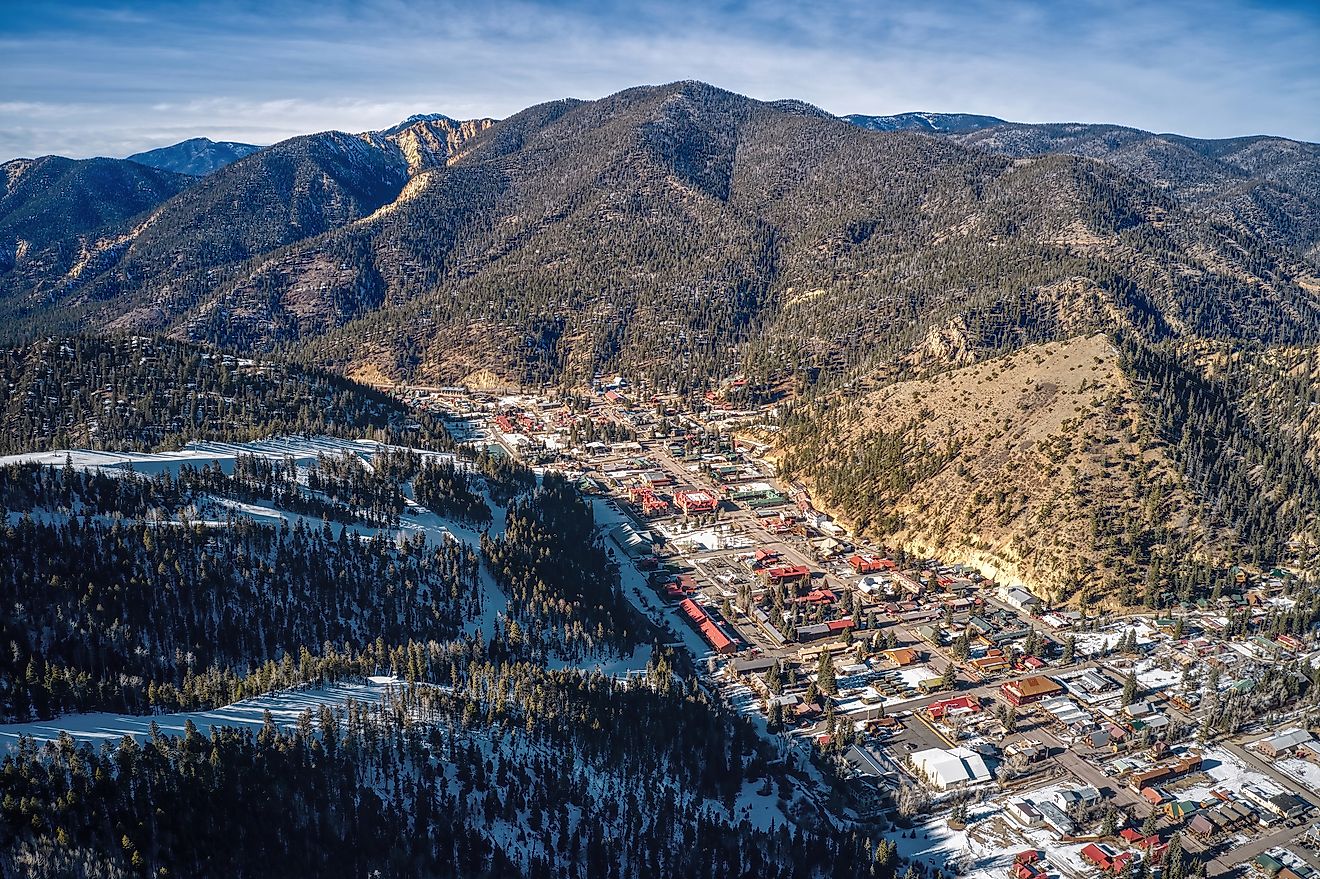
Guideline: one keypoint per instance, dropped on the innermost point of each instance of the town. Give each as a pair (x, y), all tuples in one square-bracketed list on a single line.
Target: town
[(1007, 737)]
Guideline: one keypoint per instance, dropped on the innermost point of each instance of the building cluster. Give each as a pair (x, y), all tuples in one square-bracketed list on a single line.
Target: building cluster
[(1099, 737)]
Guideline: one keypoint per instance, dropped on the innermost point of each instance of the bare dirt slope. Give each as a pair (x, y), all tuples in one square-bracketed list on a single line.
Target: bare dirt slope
[(1035, 467)]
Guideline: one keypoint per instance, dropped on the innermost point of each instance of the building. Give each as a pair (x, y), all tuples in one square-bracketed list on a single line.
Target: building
[(1279, 805), (1022, 600), (1029, 690), (865, 563), (785, 574), (1138, 781), (902, 657), (695, 500), (864, 762), (707, 627), (1283, 743), (1024, 812), (1083, 796), (1056, 819), (946, 769), (1105, 858), (635, 544), (1032, 750), (959, 705)]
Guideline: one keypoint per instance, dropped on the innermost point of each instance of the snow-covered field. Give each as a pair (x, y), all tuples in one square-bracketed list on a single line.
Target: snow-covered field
[(983, 851), (304, 451), (1093, 643), (285, 708), (1303, 771)]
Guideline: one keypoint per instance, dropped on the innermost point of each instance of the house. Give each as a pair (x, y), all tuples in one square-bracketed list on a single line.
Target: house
[(946, 707), (1029, 690), (1106, 858), (929, 634), (1201, 826), (839, 626), (902, 657), (1024, 812), (946, 769), (993, 661), (1028, 865), (1177, 810), (1093, 681), (1083, 796), (1032, 750)]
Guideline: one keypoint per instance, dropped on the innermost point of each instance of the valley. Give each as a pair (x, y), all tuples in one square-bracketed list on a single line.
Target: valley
[(667, 483)]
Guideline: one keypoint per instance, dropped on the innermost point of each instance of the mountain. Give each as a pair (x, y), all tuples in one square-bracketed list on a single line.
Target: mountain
[(196, 157), (1268, 187), (272, 198), (928, 123), (681, 233), (54, 212)]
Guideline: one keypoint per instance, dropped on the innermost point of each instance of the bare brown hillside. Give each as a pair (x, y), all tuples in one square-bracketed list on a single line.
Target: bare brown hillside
[(1034, 467)]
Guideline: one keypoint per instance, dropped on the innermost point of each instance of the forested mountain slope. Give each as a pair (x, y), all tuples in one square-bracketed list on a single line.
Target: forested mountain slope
[(489, 768), (1036, 466), (680, 233), (1267, 186), (55, 211), (660, 227), (127, 394), (1093, 468)]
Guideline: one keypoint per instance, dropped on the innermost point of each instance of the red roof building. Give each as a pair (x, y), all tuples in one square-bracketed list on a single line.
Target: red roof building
[(787, 574), (1029, 690), (817, 596), (708, 628), (696, 500), (864, 563), (959, 705)]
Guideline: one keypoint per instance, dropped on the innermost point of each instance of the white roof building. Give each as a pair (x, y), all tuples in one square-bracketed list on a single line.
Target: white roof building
[(1283, 742), (946, 769)]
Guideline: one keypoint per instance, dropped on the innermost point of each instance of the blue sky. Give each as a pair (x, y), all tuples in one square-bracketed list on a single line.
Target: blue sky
[(108, 78)]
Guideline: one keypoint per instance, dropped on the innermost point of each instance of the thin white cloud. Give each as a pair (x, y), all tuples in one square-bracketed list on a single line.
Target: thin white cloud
[(110, 78)]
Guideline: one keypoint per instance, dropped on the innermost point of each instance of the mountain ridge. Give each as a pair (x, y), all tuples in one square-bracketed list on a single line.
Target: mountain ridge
[(196, 156), (736, 235)]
